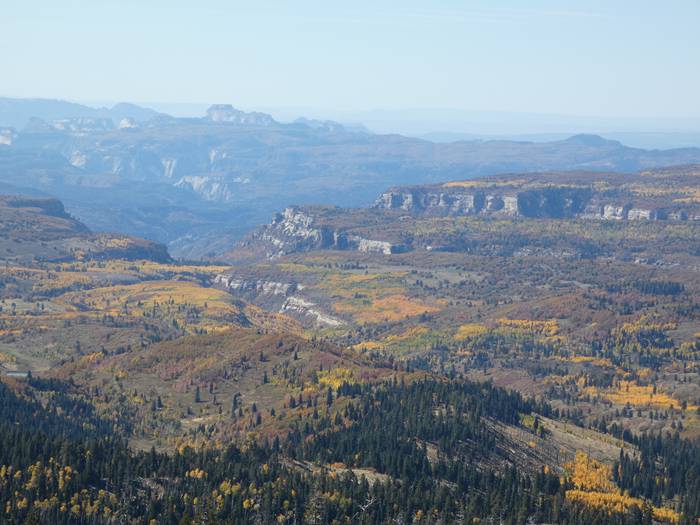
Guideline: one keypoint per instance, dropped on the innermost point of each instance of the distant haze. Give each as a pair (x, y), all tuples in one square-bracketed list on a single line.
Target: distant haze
[(629, 58), (449, 125), (435, 125)]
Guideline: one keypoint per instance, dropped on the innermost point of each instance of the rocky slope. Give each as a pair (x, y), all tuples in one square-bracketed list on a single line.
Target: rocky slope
[(284, 297)]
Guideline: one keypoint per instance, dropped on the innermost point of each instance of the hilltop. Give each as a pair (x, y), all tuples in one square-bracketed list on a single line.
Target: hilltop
[(36, 229)]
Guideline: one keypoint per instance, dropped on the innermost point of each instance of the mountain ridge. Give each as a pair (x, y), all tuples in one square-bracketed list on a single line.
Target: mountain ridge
[(662, 195), (34, 228), (198, 184)]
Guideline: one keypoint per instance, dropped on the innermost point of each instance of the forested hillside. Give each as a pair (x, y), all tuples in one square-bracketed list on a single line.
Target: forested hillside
[(520, 359), (67, 474)]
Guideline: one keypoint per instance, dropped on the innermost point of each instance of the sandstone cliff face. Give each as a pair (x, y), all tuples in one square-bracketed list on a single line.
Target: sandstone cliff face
[(283, 296), (254, 287), (553, 202), (309, 311), (227, 114), (370, 246), (400, 218), (83, 125), (297, 230), (547, 202), (7, 136)]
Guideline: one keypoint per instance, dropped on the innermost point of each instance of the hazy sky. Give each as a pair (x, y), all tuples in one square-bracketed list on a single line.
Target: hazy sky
[(609, 57)]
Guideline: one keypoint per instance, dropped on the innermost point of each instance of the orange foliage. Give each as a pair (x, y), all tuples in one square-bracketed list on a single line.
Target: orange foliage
[(391, 308)]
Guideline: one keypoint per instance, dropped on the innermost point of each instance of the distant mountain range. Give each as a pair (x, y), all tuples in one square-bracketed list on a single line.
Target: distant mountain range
[(18, 112), (636, 139), (198, 184)]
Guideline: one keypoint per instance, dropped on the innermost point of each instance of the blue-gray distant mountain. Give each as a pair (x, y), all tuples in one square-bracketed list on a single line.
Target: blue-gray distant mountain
[(199, 183), (18, 112)]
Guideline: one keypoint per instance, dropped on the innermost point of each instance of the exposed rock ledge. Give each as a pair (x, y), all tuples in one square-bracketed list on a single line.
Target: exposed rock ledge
[(545, 202), (296, 230), (305, 308), (270, 293), (256, 287)]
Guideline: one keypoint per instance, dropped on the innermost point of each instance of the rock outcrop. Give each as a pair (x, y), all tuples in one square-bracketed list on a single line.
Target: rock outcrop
[(546, 202), (254, 287), (227, 114), (7, 136), (306, 309), (271, 294), (456, 201), (83, 125), (297, 229)]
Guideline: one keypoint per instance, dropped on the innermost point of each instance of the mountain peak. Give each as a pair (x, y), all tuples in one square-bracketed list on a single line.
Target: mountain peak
[(226, 113), (585, 139)]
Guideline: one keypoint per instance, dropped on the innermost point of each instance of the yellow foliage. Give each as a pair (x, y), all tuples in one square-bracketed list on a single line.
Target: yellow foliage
[(369, 345), (92, 358), (405, 336), (642, 325), (547, 328), (4, 358), (196, 473), (598, 361), (666, 515), (391, 308), (619, 503), (610, 502), (335, 377), (469, 330), (588, 474), (595, 488), (147, 295), (638, 395)]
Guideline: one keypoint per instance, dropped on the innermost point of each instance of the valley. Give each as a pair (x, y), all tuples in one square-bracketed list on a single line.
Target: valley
[(516, 314), (198, 185), (350, 263)]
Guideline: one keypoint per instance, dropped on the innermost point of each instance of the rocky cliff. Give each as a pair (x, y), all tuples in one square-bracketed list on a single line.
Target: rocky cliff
[(284, 297), (300, 229), (227, 114), (412, 217), (537, 199)]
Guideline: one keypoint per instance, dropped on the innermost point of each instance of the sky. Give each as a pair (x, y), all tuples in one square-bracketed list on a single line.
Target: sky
[(627, 58)]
